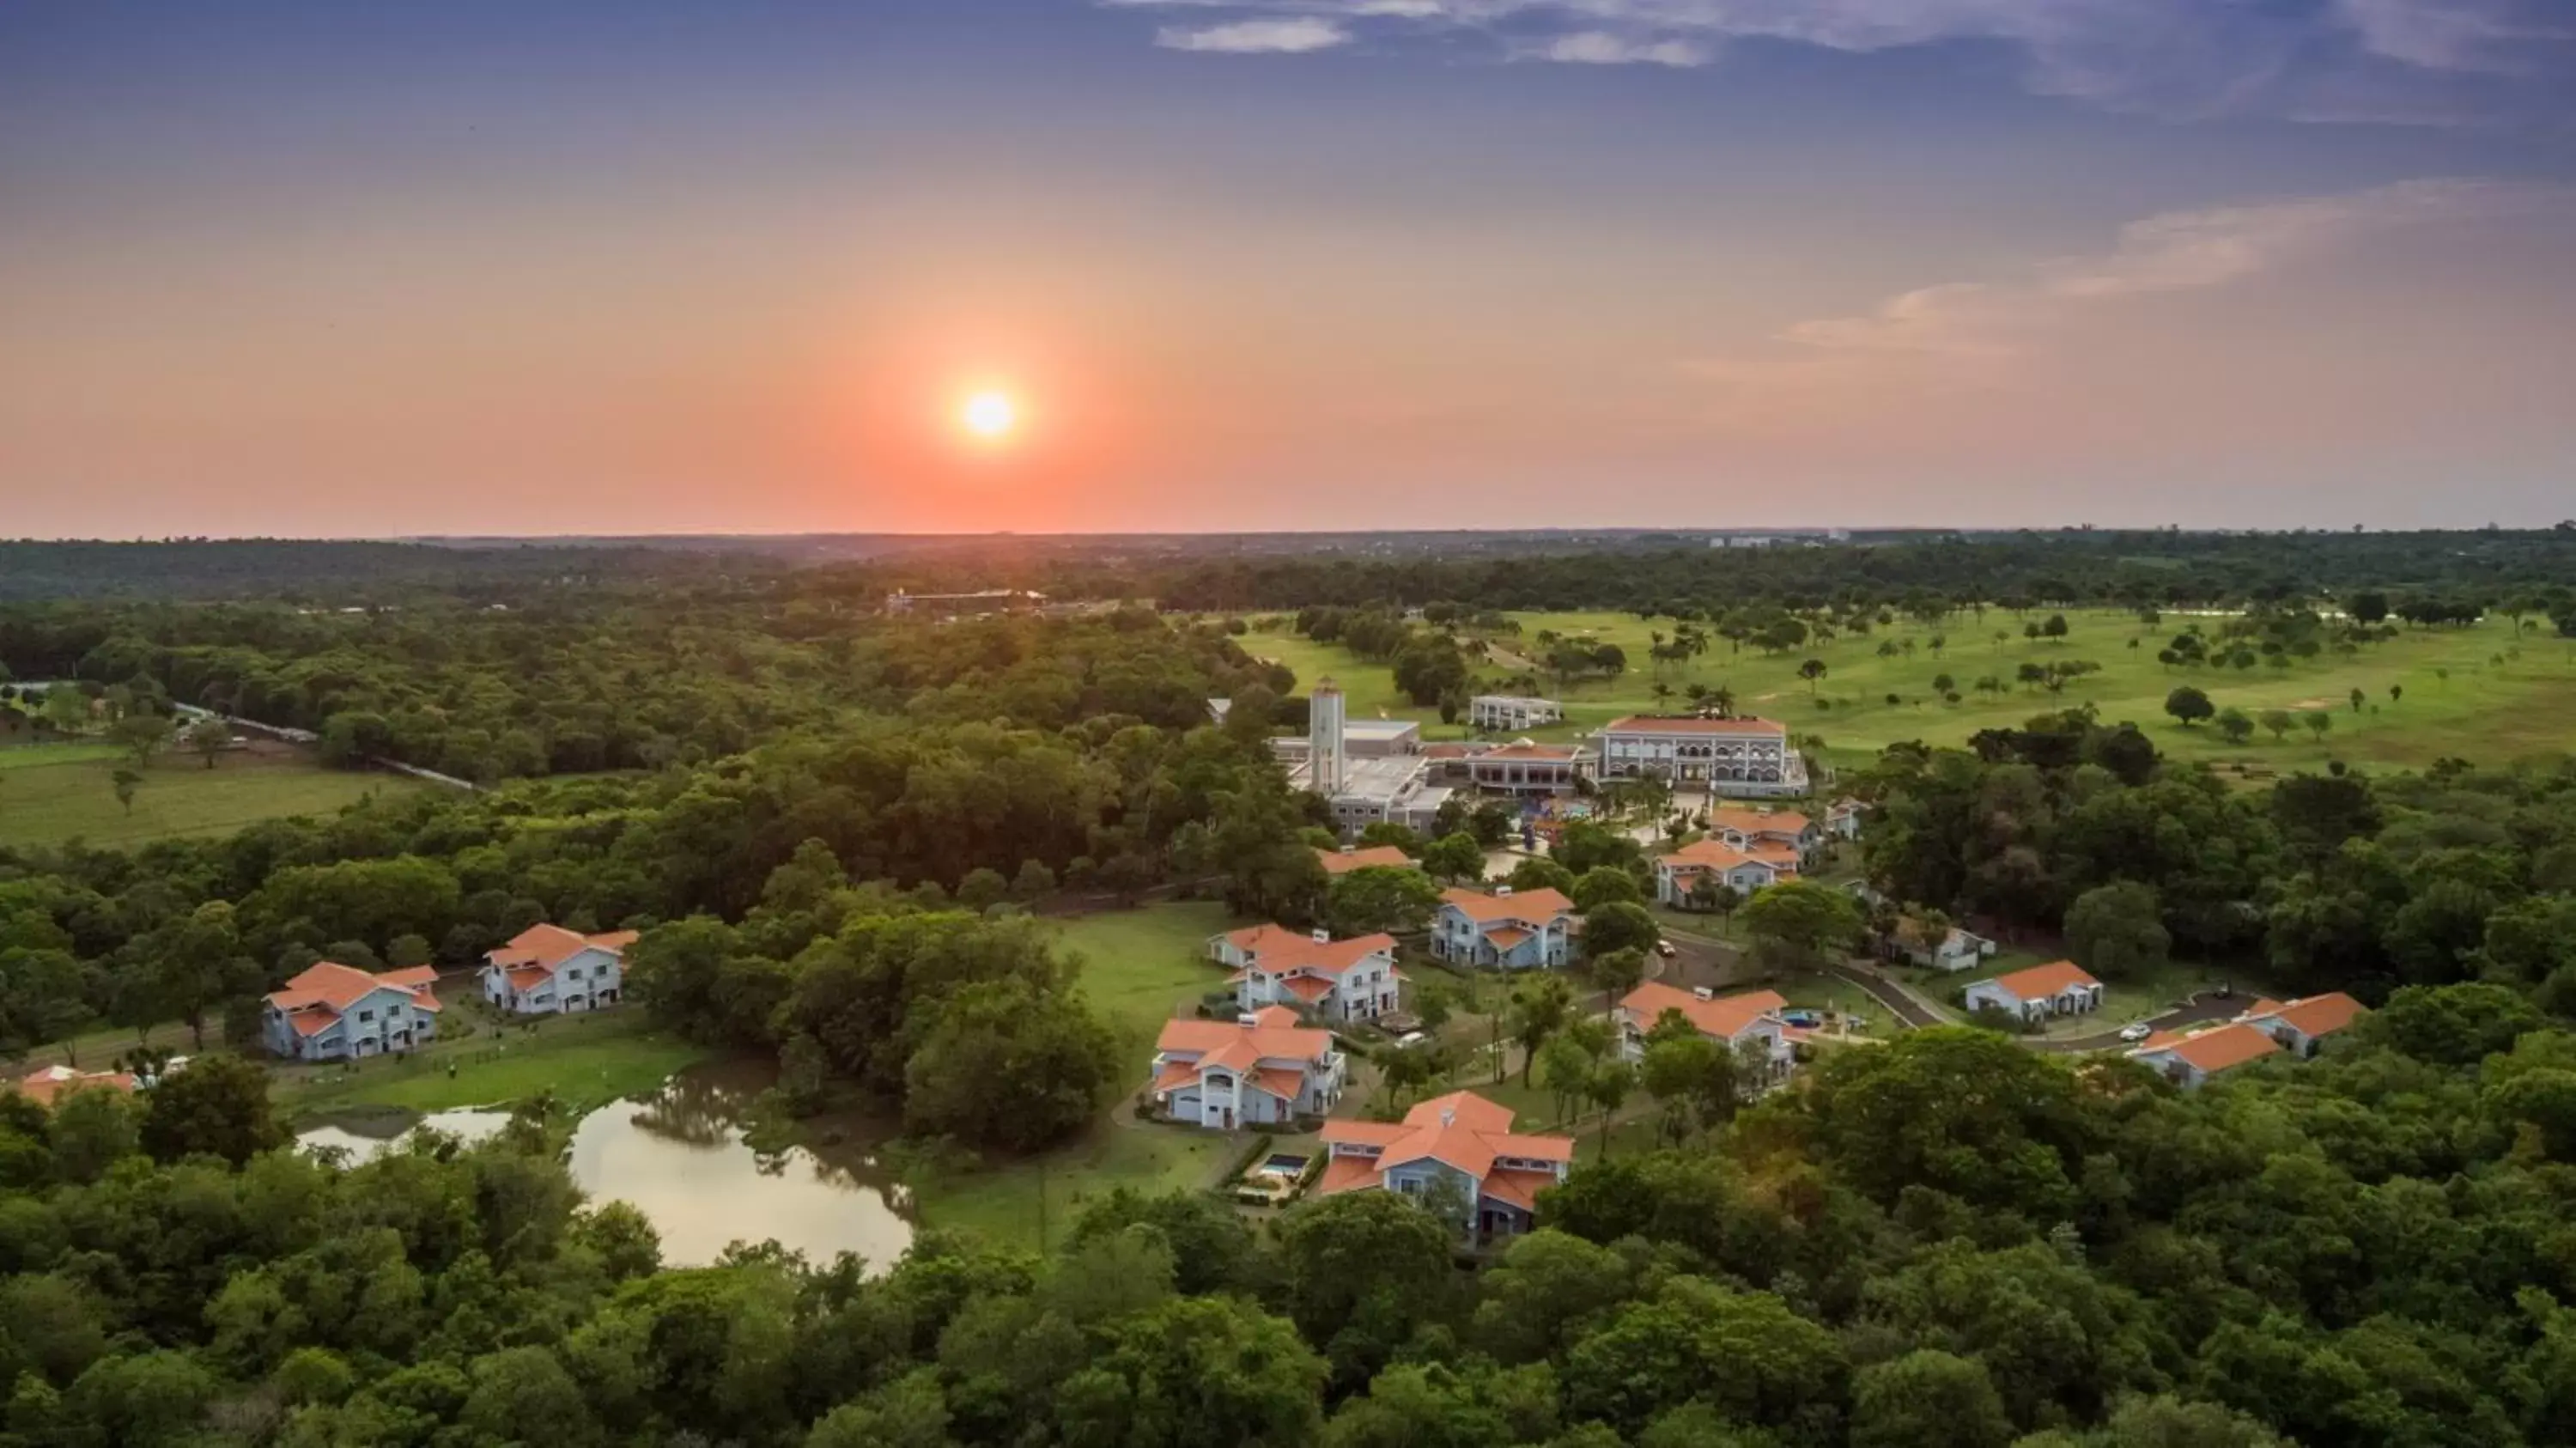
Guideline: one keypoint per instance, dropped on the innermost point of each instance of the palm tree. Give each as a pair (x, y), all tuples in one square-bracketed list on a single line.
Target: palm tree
[(1722, 699)]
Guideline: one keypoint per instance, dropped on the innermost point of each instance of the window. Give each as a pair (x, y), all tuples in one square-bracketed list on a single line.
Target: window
[(365, 1016)]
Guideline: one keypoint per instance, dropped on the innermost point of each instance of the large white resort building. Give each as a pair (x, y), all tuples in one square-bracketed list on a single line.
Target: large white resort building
[(1512, 712), (1750, 757), (1379, 769)]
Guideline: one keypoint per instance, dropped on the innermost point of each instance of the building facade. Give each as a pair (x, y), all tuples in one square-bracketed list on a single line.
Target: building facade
[(1455, 1153), (1744, 1024), (332, 1012), (1261, 1069), (2057, 989), (1744, 757), (1512, 713), (548, 970), (1679, 873), (1338, 980), (1530, 930)]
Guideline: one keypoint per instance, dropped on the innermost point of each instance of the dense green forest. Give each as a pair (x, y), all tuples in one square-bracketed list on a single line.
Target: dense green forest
[(827, 823)]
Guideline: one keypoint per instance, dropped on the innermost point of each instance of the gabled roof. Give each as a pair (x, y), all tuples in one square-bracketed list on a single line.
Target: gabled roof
[(1277, 949), (2042, 982), (2215, 1049), (1757, 822), (2316, 1015), (1461, 1130), (1268, 1041), (1342, 862), (321, 991), (1716, 854), (1725, 1017), (547, 947), (1690, 724), (1531, 907)]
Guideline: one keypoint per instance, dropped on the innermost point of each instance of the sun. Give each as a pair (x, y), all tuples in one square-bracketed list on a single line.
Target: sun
[(990, 415)]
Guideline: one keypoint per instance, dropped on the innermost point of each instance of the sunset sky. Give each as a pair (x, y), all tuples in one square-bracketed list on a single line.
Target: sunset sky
[(634, 266)]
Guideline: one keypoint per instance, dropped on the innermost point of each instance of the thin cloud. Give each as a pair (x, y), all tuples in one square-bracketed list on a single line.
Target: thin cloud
[(2174, 252), (1293, 36), (2410, 62)]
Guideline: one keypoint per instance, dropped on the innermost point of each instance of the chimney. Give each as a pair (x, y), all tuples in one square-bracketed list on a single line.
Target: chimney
[(1323, 937), (1502, 892), (1448, 1115)]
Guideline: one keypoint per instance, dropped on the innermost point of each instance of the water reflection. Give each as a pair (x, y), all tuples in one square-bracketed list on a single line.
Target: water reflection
[(679, 1156)]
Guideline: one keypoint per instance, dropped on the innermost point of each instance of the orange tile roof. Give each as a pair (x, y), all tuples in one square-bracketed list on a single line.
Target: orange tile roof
[(1534, 906), (2317, 1015), (1516, 1187), (1469, 1109), (1342, 862), (1345, 1173), (1307, 988), (2041, 982), (528, 977), (1710, 854), (317, 995), (46, 1086), (1725, 1017), (1506, 937), (549, 946), (1276, 949), (1755, 822), (2221, 1047), (1279, 1081), (1175, 1075), (1461, 1130), (1274, 1016), (1364, 1133), (1684, 724), (1276, 1043)]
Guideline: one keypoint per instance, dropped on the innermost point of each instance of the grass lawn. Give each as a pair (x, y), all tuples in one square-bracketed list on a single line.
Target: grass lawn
[(53, 792), (2476, 692), (587, 1061), (1139, 965)]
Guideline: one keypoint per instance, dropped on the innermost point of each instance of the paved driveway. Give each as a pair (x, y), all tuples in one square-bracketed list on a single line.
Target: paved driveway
[(2204, 1007)]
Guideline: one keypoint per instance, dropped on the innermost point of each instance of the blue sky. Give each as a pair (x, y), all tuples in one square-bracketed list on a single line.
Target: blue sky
[(644, 266)]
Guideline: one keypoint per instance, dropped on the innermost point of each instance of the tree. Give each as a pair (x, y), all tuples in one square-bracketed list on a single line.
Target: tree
[(2318, 723), (209, 737), (1812, 671), (2235, 725), (2357, 698), (125, 782), (1399, 899), (1358, 1271), (1454, 856), (198, 961), (1605, 885), (140, 735), (1612, 1080), (1009, 1065), (1619, 925), (1617, 972), (2188, 704), (2114, 931), (2279, 722), (1800, 924), (66, 709), (218, 1106), (1536, 1012), (1927, 1399)]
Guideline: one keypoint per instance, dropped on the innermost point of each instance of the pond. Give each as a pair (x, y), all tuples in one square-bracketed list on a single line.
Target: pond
[(679, 1156)]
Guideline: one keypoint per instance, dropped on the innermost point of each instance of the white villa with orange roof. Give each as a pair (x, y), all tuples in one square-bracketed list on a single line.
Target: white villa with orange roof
[(1530, 930), (1731, 1022), (1461, 1140), (2056, 989), (1754, 830), (1751, 757), (1338, 863), (1263, 1068), (333, 1012), (2302, 1025), (1339, 980), (548, 970), (1520, 768), (1741, 868), (2190, 1058)]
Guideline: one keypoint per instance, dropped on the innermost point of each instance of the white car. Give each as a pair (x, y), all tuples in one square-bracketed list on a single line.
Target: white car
[(2138, 1031), (1410, 1039)]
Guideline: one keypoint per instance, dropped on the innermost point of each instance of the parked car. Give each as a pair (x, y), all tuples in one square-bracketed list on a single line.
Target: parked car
[(1667, 949), (1411, 1039), (2136, 1031)]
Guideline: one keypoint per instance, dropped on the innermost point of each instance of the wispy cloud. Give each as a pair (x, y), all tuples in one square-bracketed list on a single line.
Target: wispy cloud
[(2175, 252), (1290, 36), (2384, 61)]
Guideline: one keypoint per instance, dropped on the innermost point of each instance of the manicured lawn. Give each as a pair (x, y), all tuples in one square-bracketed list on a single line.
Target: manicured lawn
[(1140, 965), (586, 1061), (53, 792), (2502, 698), (1001, 1205), (2149, 994)]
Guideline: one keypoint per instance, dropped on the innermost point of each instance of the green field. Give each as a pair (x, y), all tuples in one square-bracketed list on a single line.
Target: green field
[(1138, 966), (2484, 709), (587, 1061), (55, 792)]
